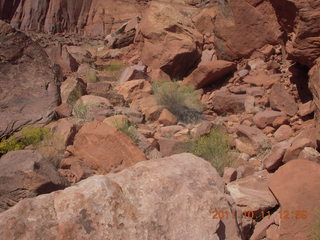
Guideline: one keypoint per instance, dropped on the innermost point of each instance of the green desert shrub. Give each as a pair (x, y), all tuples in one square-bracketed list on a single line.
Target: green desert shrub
[(183, 101), (214, 148), (27, 136), (127, 128), (80, 110)]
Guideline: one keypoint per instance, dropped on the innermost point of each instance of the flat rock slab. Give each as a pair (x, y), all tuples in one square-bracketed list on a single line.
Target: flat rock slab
[(252, 193)]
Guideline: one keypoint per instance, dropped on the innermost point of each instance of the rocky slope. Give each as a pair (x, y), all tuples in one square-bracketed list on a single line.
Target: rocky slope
[(93, 68)]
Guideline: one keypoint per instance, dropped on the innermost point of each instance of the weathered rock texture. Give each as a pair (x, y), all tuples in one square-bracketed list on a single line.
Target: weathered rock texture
[(104, 148), (301, 22), (241, 28), (28, 85), (171, 42), (25, 174), (170, 198), (90, 17)]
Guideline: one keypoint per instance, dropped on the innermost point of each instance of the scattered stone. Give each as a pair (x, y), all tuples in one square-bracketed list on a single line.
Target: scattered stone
[(281, 100), (310, 154), (267, 117), (72, 89), (297, 146), (169, 146), (116, 120), (252, 193), (255, 91), (209, 72), (242, 73), (132, 73), (273, 232), (283, 133), (260, 229), (167, 118), (279, 121), (63, 110), (65, 131), (98, 145), (224, 103), (133, 115), (229, 175), (201, 129), (262, 79), (274, 158), (306, 108), (254, 137), (268, 130), (133, 89), (100, 89)]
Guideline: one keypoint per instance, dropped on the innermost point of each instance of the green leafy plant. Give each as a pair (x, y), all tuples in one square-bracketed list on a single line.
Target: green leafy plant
[(27, 136), (127, 128), (183, 101), (80, 110), (214, 148)]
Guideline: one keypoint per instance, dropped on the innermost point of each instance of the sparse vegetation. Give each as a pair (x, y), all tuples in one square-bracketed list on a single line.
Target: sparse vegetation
[(127, 128), (52, 149), (115, 68), (92, 76), (80, 110), (27, 136), (183, 101), (214, 148)]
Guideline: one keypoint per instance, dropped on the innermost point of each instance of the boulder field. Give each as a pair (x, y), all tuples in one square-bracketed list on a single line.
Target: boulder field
[(171, 119)]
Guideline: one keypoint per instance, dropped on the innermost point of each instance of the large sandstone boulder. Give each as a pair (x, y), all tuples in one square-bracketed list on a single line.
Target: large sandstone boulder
[(171, 42), (301, 22), (240, 29), (104, 148), (25, 174), (28, 86), (169, 198), (296, 186)]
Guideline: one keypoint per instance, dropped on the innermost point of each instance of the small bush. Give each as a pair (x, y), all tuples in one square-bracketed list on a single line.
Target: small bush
[(80, 110), (183, 101), (27, 136), (52, 149), (214, 148), (127, 128), (92, 76), (115, 68)]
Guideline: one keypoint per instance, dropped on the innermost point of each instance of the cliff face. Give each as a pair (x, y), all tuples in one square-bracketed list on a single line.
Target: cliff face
[(89, 17)]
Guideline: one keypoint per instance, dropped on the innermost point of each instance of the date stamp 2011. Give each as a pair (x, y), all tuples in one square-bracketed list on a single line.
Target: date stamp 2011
[(284, 214)]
